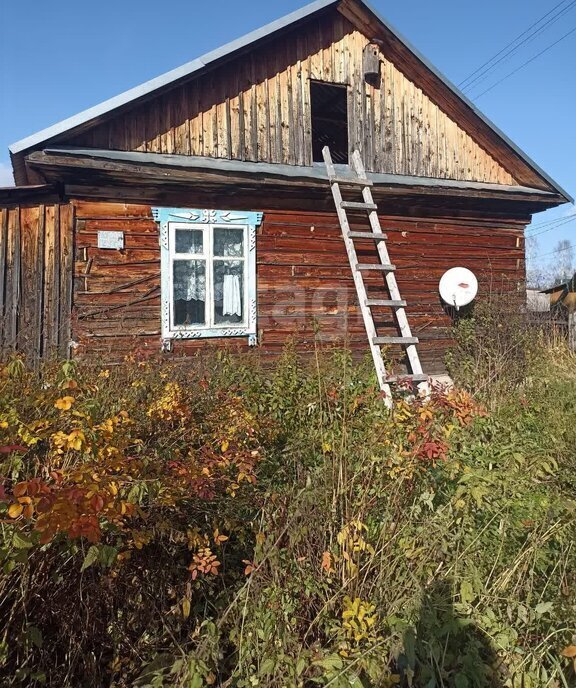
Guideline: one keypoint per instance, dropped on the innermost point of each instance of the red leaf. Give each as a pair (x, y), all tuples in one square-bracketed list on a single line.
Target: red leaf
[(9, 448)]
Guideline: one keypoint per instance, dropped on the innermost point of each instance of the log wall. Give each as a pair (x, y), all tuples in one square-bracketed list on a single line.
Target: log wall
[(258, 108), (36, 273), (305, 287)]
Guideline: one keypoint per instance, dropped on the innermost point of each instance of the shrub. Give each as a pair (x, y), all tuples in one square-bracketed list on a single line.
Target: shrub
[(495, 346), (223, 523)]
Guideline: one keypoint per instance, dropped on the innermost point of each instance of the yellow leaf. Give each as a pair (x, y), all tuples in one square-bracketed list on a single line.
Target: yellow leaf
[(225, 446), (14, 510), (64, 404), (425, 413), (250, 567), (218, 537), (569, 651), (185, 607)]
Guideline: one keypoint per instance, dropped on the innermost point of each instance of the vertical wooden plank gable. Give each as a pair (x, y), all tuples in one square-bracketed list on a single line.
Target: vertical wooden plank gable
[(256, 107)]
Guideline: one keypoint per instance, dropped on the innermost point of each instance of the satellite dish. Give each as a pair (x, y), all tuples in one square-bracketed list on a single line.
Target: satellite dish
[(458, 287)]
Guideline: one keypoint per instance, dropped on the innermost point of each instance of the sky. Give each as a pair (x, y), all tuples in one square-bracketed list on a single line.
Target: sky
[(63, 56)]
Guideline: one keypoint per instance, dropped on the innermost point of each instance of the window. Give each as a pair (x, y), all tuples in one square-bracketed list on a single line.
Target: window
[(208, 273), (329, 106)]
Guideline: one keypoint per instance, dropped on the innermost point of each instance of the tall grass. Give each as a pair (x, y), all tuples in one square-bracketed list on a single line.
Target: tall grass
[(428, 546)]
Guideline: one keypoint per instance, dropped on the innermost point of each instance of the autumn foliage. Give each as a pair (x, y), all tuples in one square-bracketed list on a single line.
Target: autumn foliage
[(143, 505), (96, 473)]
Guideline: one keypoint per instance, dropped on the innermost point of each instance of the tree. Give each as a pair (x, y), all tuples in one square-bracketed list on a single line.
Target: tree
[(564, 261), (538, 275)]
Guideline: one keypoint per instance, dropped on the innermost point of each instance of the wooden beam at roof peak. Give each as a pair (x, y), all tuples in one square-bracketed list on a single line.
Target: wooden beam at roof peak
[(359, 18)]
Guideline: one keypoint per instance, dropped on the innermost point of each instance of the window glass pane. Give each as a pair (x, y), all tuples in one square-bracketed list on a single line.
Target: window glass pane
[(228, 292), (228, 241), (189, 241), (189, 292)]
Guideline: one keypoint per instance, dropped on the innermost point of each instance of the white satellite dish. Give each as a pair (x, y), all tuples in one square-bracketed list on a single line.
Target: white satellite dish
[(458, 287)]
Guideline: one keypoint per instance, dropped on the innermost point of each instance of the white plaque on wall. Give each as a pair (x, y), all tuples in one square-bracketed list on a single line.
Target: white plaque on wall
[(109, 239)]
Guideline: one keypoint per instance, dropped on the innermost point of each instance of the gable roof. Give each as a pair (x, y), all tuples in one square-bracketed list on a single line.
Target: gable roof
[(194, 68)]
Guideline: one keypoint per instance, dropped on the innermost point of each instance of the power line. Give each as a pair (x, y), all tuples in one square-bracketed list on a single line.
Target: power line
[(461, 84), (556, 250), (524, 64), (548, 222), (531, 38), (564, 221), (510, 49), (552, 221), (556, 219)]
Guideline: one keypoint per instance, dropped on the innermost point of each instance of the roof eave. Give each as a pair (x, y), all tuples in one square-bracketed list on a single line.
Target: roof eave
[(315, 173), (209, 59)]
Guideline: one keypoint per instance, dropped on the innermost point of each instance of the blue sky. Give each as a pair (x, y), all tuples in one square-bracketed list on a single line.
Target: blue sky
[(63, 56)]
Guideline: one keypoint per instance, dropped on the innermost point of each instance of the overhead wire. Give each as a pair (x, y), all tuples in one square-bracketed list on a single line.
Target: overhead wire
[(561, 223), (545, 224), (463, 82), (510, 49), (556, 250), (552, 221), (526, 63)]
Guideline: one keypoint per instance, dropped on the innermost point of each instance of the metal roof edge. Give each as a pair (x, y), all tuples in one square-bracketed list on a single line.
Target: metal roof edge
[(457, 92), (316, 172), (168, 77)]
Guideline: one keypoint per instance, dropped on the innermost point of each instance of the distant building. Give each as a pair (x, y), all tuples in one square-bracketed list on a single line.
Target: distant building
[(537, 302), (563, 294), (562, 300)]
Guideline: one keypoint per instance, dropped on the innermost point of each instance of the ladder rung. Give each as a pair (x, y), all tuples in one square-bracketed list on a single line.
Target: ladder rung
[(357, 180), (358, 205), (367, 235), (385, 302), (395, 340), (375, 266), (351, 181), (407, 376)]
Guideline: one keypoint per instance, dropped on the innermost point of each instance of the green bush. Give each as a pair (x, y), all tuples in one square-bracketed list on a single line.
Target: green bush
[(258, 526)]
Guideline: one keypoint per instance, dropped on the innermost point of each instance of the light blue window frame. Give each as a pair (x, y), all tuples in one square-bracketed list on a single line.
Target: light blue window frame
[(171, 218)]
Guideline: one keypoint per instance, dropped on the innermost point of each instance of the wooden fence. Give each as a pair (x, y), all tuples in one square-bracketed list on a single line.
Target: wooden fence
[(36, 269)]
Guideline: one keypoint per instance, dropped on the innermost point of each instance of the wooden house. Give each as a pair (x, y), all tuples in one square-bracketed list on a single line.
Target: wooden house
[(562, 294), (195, 210), (562, 304)]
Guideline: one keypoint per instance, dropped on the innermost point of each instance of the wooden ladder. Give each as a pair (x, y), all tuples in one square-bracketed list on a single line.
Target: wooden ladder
[(395, 302)]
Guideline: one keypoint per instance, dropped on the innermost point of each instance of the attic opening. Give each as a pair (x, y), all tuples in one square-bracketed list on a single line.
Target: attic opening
[(329, 107)]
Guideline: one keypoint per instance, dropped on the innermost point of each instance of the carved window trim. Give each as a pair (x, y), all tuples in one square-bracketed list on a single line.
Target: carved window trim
[(249, 220)]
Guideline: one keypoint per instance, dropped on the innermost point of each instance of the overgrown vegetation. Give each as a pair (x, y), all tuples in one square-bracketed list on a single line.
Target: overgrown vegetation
[(222, 524)]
